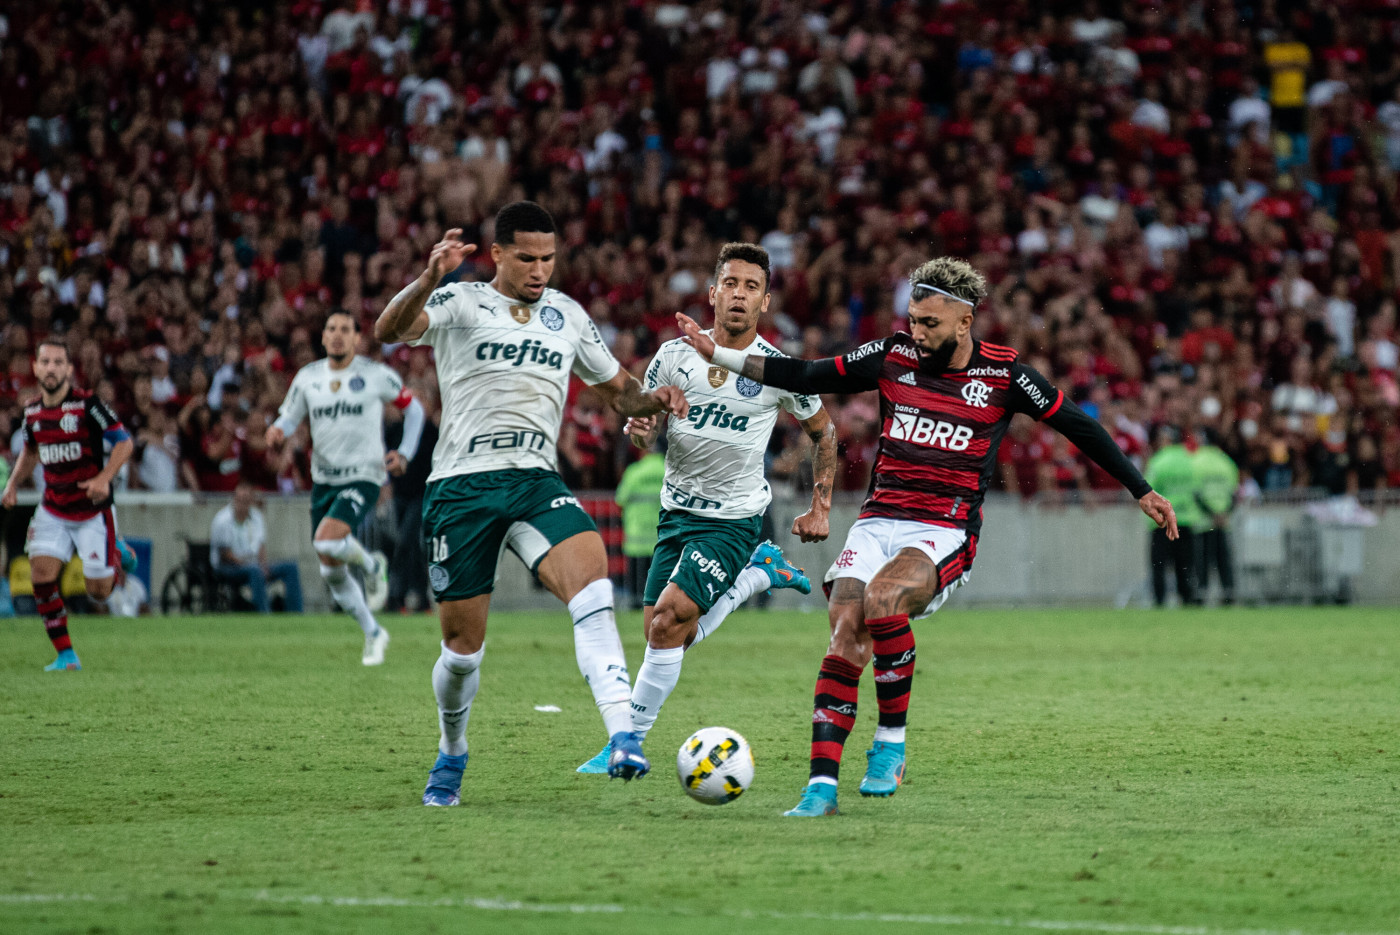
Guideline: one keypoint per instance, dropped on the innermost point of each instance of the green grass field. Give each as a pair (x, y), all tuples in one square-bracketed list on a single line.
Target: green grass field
[(1123, 772)]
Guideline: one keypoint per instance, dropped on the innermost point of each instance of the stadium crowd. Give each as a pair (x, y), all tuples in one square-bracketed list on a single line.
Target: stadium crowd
[(1188, 210)]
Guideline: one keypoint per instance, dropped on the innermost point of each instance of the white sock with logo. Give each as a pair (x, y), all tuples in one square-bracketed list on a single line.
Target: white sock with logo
[(750, 581), (455, 680), (349, 596), (347, 550), (599, 653), (656, 679)]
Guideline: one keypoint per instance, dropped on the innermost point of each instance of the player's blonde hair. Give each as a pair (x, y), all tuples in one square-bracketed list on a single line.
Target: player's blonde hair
[(951, 275)]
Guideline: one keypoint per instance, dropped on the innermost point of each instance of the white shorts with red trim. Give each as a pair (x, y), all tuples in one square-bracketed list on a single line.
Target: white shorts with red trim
[(873, 541), (94, 539)]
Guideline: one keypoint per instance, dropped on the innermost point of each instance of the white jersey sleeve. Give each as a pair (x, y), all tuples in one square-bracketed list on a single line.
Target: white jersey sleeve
[(388, 385), (448, 308), (294, 409), (595, 363), (800, 406)]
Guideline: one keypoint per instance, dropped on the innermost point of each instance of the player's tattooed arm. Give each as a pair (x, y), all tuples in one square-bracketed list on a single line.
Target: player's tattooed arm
[(404, 318), (625, 395), (815, 525)]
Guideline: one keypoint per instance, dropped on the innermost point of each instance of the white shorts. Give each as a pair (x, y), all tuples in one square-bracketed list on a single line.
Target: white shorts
[(94, 539), (875, 540)]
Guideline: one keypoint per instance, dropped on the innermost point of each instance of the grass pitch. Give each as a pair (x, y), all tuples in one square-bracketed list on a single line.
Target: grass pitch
[(1123, 772)]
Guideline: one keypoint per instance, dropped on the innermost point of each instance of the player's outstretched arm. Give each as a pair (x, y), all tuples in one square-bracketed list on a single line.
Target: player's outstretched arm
[(809, 377), (404, 318), (815, 524), (625, 395)]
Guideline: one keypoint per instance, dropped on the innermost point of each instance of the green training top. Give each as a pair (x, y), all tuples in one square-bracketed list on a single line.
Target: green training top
[(639, 495), (1217, 479), (1172, 473)]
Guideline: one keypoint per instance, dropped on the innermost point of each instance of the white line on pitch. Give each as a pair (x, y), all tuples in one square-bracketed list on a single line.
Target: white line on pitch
[(512, 905)]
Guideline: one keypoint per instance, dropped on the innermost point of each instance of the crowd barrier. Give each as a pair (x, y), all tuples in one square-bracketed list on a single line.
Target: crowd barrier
[(1030, 553)]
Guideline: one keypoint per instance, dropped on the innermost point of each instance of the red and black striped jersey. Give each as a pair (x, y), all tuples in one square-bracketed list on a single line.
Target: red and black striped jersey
[(940, 431), (68, 440)]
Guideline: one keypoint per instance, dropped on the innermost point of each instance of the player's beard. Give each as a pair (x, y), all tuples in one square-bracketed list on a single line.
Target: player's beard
[(53, 385), (339, 359), (937, 360)]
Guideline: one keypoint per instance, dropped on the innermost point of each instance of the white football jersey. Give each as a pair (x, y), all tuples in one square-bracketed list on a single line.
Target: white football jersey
[(503, 371), (346, 409), (714, 458)]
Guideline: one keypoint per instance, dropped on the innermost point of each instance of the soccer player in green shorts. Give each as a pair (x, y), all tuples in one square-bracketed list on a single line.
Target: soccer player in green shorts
[(344, 396), (714, 492), (504, 351)]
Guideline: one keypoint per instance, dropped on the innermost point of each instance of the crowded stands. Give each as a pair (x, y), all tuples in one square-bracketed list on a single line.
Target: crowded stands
[(1188, 212)]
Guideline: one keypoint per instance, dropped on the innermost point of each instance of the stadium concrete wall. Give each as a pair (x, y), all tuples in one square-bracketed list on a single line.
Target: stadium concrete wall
[(1029, 554)]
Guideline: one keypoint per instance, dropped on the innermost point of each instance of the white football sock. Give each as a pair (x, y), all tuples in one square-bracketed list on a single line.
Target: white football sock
[(656, 679), (347, 550), (599, 653), (455, 681), (750, 581), (889, 734), (349, 596)]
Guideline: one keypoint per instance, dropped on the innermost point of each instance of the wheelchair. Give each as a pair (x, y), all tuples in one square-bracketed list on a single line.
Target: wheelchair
[(191, 587)]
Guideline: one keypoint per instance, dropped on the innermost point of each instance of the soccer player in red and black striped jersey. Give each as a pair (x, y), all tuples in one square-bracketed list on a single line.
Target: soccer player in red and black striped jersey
[(65, 430), (946, 400)]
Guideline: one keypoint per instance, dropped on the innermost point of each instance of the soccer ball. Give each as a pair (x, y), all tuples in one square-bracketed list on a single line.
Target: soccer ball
[(715, 765)]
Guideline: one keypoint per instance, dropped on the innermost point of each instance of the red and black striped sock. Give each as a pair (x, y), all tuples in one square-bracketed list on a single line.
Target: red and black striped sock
[(50, 606), (894, 667), (833, 714)]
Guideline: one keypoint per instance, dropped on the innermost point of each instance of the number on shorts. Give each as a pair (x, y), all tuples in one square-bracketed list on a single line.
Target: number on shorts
[(439, 549)]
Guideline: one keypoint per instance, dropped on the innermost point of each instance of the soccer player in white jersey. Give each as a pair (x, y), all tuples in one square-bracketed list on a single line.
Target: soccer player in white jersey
[(344, 395), (504, 351), (714, 492)]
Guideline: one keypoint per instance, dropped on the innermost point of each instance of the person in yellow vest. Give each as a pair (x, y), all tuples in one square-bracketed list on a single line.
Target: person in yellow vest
[(1288, 61), (639, 496), (1217, 480), (1171, 472)]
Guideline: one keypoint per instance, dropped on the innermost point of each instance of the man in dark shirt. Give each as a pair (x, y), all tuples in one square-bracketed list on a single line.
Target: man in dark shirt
[(945, 403)]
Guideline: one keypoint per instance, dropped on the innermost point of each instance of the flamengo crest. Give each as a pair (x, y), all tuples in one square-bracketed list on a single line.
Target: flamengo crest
[(976, 393)]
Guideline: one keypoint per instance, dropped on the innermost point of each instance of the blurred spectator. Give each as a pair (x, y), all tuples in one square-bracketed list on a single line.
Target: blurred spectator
[(1161, 232), (238, 551)]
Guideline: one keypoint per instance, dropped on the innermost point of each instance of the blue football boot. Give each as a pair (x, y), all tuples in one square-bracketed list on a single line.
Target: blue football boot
[(67, 661), (769, 559), (818, 800), (884, 769), (128, 556), (599, 764), (445, 781), (626, 762)]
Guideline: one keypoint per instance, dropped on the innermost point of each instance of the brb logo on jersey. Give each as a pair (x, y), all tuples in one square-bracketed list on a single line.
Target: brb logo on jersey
[(908, 426), (977, 393)]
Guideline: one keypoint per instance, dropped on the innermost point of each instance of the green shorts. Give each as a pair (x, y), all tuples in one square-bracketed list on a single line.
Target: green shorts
[(470, 519), (702, 556), (346, 502)]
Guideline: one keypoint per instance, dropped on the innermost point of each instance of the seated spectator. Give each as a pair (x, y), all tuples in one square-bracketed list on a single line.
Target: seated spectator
[(238, 550)]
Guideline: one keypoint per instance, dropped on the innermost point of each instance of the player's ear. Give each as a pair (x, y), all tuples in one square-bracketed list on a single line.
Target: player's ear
[(965, 323), (496, 253)]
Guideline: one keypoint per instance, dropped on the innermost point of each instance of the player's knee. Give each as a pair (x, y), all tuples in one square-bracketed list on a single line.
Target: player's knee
[(99, 589), (885, 598), (668, 630)]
